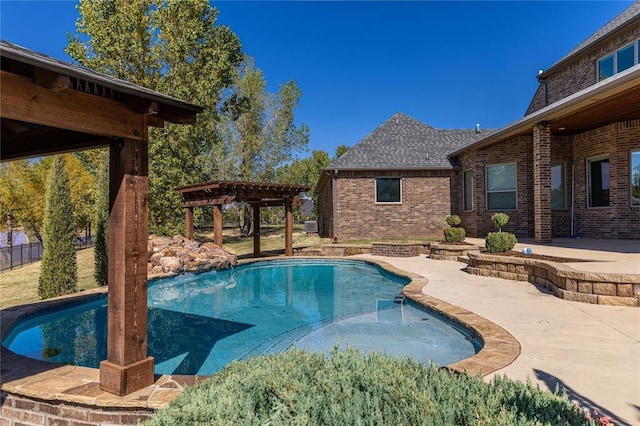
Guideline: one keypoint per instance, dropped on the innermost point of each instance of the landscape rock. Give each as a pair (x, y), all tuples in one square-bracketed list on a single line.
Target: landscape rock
[(171, 256)]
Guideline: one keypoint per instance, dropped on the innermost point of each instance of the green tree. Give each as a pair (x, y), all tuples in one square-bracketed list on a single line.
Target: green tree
[(58, 270), (100, 218), (340, 150), (259, 131), (174, 47)]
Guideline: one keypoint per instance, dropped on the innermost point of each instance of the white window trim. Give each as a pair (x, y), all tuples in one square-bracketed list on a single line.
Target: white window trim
[(487, 192), (375, 194), (636, 58), (564, 184), (464, 193), (635, 206), (588, 167)]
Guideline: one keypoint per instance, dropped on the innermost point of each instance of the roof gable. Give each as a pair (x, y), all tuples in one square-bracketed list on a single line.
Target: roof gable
[(402, 142)]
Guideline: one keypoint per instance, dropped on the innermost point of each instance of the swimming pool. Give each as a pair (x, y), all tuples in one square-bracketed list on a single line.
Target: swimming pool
[(199, 323)]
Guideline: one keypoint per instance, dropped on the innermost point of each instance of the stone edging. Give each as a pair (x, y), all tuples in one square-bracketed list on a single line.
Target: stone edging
[(564, 281), (36, 389)]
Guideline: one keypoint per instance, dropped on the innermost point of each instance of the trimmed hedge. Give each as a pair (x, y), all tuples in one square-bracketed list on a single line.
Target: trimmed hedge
[(498, 242), (347, 388), (454, 235)]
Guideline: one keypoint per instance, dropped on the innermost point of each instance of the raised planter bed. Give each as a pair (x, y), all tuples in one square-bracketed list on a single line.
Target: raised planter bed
[(448, 251), (399, 249), (564, 281)]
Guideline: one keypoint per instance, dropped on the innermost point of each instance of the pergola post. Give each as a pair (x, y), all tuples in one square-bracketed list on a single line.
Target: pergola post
[(288, 225), (127, 367), (256, 231), (217, 224), (189, 221)]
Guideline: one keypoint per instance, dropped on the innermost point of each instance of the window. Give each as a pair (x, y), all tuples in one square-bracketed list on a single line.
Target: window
[(557, 187), (598, 169), (501, 187), (635, 178), (467, 190), (388, 190), (620, 60)]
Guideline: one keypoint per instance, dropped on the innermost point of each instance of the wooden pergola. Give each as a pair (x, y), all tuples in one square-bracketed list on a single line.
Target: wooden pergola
[(49, 107), (257, 195)]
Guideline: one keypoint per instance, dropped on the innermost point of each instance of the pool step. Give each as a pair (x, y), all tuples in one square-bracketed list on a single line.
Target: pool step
[(399, 298)]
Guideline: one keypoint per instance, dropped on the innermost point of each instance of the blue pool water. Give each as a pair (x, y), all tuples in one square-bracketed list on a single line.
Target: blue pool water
[(200, 323)]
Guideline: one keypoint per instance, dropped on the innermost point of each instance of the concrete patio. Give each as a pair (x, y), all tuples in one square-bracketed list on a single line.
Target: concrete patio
[(592, 351)]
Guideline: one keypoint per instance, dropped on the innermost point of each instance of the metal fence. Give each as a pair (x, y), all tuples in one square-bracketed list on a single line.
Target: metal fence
[(24, 254)]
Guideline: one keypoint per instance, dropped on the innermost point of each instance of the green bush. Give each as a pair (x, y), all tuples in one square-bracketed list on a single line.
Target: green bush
[(500, 220), (347, 388), (453, 220), (454, 235), (498, 242)]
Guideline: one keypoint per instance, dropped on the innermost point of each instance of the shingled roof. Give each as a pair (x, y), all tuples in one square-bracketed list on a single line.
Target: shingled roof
[(402, 142), (627, 17)]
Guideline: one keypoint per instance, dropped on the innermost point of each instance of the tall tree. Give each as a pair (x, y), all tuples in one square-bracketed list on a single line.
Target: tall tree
[(174, 47), (100, 219), (259, 131), (58, 270)]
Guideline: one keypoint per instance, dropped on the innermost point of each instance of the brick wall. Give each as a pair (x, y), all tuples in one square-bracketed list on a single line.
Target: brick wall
[(580, 72), (17, 410), (325, 209), (619, 220), (426, 202), (561, 152)]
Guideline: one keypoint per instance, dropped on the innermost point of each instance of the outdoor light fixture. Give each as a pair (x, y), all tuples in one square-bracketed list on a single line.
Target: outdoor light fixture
[(542, 124)]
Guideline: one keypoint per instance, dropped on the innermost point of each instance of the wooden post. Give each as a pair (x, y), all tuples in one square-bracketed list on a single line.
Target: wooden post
[(127, 367), (189, 222), (217, 224), (288, 225), (256, 231)]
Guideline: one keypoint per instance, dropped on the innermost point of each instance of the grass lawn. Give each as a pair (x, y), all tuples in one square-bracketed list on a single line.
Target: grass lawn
[(20, 285)]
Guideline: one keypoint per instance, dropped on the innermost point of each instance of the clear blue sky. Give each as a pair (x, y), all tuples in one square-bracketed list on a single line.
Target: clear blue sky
[(450, 64)]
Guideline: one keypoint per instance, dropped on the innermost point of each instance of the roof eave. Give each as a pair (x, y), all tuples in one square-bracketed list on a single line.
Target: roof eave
[(611, 86)]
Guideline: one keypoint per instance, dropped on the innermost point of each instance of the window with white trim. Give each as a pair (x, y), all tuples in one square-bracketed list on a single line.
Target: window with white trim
[(635, 178), (598, 176), (389, 190), (467, 190), (557, 187), (501, 186), (618, 61)]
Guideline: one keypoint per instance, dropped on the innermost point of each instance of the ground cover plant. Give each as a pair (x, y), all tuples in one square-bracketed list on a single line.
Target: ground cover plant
[(348, 387)]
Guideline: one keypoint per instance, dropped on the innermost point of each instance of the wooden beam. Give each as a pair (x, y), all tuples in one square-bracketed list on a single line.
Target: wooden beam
[(142, 106), (47, 142), (189, 222), (127, 367), (275, 203), (256, 231), (217, 225), (209, 201), (51, 80), (24, 100), (288, 227)]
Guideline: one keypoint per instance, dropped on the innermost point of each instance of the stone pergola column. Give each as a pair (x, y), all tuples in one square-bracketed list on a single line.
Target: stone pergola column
[(127, 367), (189, 221), (542, 182), (288, 226)]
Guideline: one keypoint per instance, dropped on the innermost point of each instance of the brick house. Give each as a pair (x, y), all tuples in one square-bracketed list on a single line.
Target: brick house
[(569, 167)]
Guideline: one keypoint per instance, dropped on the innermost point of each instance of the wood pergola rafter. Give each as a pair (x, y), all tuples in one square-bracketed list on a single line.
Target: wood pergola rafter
[(256, 194)]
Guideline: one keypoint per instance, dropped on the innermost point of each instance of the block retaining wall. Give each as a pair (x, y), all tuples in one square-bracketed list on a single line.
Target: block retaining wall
[(564, 281), (439, 251), (19, 410), (396, 249)]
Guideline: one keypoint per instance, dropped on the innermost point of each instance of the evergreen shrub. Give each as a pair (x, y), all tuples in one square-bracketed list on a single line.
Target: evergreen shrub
[(347, 388), (499, 242), (58, 270), (454, 235), (453, 220)]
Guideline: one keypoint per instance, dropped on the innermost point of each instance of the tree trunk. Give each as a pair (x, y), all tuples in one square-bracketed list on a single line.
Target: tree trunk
[(245, 222)]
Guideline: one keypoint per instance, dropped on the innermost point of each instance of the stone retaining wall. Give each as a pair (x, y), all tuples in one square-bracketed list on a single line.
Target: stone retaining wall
[(443, 251), (396, 249), (564, 281), (17, 410), (339, 250)]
